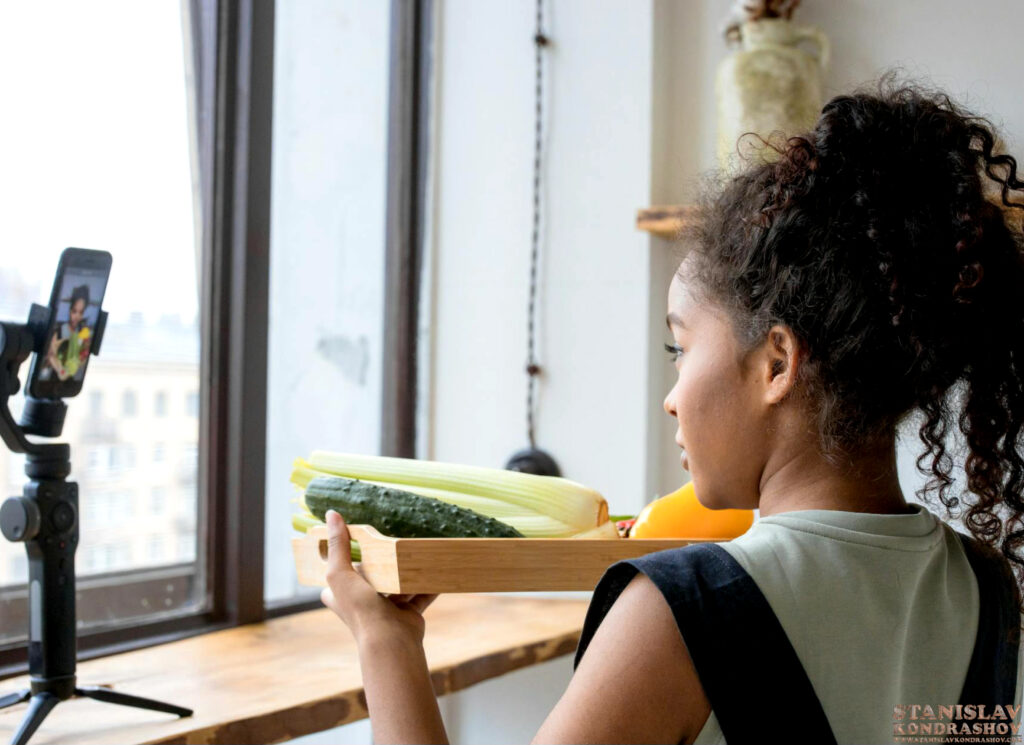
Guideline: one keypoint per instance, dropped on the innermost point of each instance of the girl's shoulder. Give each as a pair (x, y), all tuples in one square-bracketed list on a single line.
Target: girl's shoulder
[(637, 671)]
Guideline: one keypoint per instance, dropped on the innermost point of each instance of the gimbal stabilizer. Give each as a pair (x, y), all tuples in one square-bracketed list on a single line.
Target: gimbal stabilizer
[(45, 518)]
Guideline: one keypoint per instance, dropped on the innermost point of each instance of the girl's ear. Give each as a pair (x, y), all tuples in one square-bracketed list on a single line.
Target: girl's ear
[(783, 357)]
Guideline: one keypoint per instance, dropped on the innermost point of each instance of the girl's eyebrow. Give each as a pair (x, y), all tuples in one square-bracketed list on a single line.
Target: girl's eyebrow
[(672, 318)]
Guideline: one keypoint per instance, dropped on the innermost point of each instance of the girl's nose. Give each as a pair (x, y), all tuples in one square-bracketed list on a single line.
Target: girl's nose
[(669, 404)]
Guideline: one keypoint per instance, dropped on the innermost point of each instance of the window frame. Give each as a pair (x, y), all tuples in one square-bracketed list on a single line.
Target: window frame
[(232, 44)]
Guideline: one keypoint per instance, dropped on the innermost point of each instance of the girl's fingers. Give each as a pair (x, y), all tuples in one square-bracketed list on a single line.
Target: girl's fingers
[(339, 555), (421, 602), (327, 598), (418, 601)]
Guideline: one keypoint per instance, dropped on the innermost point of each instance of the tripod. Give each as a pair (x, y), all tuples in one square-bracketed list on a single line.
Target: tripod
[(45, 519)]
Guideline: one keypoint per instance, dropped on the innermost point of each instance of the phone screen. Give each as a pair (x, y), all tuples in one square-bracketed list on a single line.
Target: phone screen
[(75, 304)]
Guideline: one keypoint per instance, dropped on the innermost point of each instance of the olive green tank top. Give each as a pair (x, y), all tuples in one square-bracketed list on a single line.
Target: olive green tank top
[(895, 613)]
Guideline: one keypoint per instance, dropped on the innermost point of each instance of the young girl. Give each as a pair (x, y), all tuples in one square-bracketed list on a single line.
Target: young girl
[(866, 275), (65, 363)]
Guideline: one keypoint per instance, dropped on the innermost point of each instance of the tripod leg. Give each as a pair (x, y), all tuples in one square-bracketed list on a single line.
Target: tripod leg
[(40, 706), (15, 698), (116, 697)]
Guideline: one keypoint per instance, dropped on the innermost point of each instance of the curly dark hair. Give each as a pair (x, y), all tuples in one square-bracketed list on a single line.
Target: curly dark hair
[(886, 239)]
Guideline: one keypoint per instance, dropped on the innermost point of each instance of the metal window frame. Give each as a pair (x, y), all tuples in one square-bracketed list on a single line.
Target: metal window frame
[(233, 45), (408, 142)]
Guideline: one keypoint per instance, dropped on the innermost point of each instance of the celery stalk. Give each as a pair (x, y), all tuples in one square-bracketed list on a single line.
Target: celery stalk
[(528, 522), (564, 501)]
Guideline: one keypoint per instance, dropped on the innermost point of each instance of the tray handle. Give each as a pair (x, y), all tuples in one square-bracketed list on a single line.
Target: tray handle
[(311, 550)]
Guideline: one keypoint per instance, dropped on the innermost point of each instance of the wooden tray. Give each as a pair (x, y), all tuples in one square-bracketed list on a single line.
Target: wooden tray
[(441, 565)]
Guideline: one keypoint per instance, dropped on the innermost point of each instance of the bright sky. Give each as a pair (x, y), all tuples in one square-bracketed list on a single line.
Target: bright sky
[(94, 147)]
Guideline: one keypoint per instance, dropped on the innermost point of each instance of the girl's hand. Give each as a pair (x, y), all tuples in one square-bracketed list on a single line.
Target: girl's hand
[(353, 599)]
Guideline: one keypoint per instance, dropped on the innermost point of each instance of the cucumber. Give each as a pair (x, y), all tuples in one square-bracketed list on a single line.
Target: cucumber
[(398, 513)]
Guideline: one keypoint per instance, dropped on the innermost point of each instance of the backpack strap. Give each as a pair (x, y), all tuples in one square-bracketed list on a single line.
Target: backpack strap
[(992, 674), (750, 672)]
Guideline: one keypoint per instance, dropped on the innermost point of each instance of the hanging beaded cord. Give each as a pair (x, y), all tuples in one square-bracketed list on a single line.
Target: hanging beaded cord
[(532, 368)]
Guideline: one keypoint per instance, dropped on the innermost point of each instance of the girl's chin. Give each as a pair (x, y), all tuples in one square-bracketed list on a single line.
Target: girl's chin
[(685, 462)]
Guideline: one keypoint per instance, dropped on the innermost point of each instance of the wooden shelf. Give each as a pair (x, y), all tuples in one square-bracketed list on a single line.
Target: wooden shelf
[(294, 675), (665, 221)]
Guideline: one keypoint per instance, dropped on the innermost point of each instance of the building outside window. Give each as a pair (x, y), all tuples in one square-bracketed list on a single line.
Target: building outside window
[(128, 403), (157, 500)]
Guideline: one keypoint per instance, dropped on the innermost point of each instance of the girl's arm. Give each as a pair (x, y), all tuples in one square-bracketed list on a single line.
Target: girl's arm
[(399, 693), (636, 682), (389, 635)]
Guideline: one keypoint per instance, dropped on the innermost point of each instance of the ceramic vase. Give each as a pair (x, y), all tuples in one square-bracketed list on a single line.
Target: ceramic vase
[(771, 84)]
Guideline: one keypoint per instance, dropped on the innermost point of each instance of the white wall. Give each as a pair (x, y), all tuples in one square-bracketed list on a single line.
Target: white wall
[(592, 311)]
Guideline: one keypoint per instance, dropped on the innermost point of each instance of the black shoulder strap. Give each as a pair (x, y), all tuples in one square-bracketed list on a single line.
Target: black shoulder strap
[(992, 674), (746, 664)]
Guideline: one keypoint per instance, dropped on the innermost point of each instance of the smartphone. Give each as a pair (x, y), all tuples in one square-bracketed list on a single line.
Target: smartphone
[(58, 369)]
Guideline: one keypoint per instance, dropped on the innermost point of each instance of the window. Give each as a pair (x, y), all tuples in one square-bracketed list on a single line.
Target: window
[(206, 307), (118, 173), (94, 511), (14, 464), (128, 403), (159, 452), (157, 547), (121, 458), (157, 500), (160, 404), (188, 467), (19, 566), (186, 549)]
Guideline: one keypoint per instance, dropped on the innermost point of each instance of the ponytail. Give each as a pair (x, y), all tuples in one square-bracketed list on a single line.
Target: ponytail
[(889, 240)]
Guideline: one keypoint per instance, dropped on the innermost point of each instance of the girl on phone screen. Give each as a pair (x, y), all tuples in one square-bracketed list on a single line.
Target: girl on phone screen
[(69, 345)]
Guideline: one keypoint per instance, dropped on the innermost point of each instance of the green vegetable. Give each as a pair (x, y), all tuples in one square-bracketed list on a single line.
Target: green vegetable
[(536, 506), (303, 521), (398, 513), (570, 507)]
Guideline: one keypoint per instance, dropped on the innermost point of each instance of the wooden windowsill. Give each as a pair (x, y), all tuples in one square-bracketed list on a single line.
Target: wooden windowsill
[(295, 675)]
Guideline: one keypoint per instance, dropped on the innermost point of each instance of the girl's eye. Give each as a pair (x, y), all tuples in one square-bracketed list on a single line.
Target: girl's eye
[(675, 350)]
